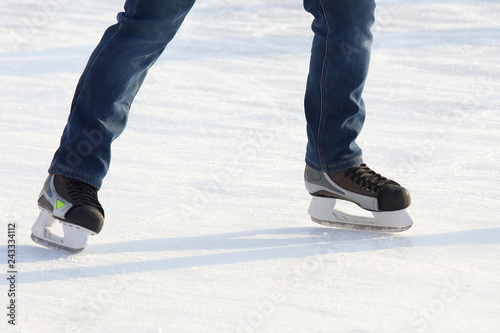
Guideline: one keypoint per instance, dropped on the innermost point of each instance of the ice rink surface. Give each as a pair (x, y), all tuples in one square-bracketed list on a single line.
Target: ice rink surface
[(206, 212)]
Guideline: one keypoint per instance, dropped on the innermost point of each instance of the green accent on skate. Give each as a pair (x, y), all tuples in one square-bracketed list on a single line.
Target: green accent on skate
[(60, 204)]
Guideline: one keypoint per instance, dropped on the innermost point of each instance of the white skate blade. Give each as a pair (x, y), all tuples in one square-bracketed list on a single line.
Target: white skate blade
[(322, 210), (74, 240)]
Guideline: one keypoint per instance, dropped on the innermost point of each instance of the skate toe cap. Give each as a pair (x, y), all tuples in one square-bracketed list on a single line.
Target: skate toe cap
[(393, 197), (88, 217)]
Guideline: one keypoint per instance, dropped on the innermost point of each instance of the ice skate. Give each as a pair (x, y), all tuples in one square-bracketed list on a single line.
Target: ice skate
[(385, 199), (75, 205)]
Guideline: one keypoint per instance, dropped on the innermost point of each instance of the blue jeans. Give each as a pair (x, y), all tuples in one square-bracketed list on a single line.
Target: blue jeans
[(117, 67)]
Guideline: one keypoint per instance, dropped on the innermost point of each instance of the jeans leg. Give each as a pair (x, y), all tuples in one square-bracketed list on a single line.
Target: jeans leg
[(340, 56), (109, 83)]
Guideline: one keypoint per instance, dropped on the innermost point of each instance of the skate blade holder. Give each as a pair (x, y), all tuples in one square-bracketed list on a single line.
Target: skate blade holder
[(75, 238), (323, 211)]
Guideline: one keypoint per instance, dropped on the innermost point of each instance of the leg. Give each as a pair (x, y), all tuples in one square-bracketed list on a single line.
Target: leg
[(340, 57), (98, 115), (109, 83), (335, 114)]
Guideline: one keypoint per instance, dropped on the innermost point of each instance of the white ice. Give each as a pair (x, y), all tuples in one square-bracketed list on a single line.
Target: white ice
[(206, 211)]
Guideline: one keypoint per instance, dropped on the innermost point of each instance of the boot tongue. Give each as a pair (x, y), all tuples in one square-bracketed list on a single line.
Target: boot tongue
[(77, 192), (367, 178), (83, 193)]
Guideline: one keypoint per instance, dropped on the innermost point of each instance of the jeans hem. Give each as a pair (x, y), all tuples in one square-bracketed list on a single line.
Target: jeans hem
[(336, 167), (67, 172)]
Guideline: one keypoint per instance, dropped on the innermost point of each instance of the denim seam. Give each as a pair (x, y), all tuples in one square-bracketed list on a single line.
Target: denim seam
[(322, 88)]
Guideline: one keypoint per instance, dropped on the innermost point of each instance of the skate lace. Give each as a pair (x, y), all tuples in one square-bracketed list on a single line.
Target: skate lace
[(83, 194), (367, 178)]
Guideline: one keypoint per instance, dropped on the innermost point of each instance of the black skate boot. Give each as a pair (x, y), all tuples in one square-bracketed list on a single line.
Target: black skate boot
[(385, 198), (76, 206)]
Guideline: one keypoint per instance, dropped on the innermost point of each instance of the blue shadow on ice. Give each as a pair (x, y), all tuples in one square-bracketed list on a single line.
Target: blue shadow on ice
[(238, 247)]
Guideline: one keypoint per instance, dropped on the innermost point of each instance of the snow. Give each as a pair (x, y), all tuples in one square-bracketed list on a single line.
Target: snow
[(207, 227)]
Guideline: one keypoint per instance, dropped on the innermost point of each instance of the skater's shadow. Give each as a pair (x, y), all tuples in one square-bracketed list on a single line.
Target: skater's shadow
[(238, 247)]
